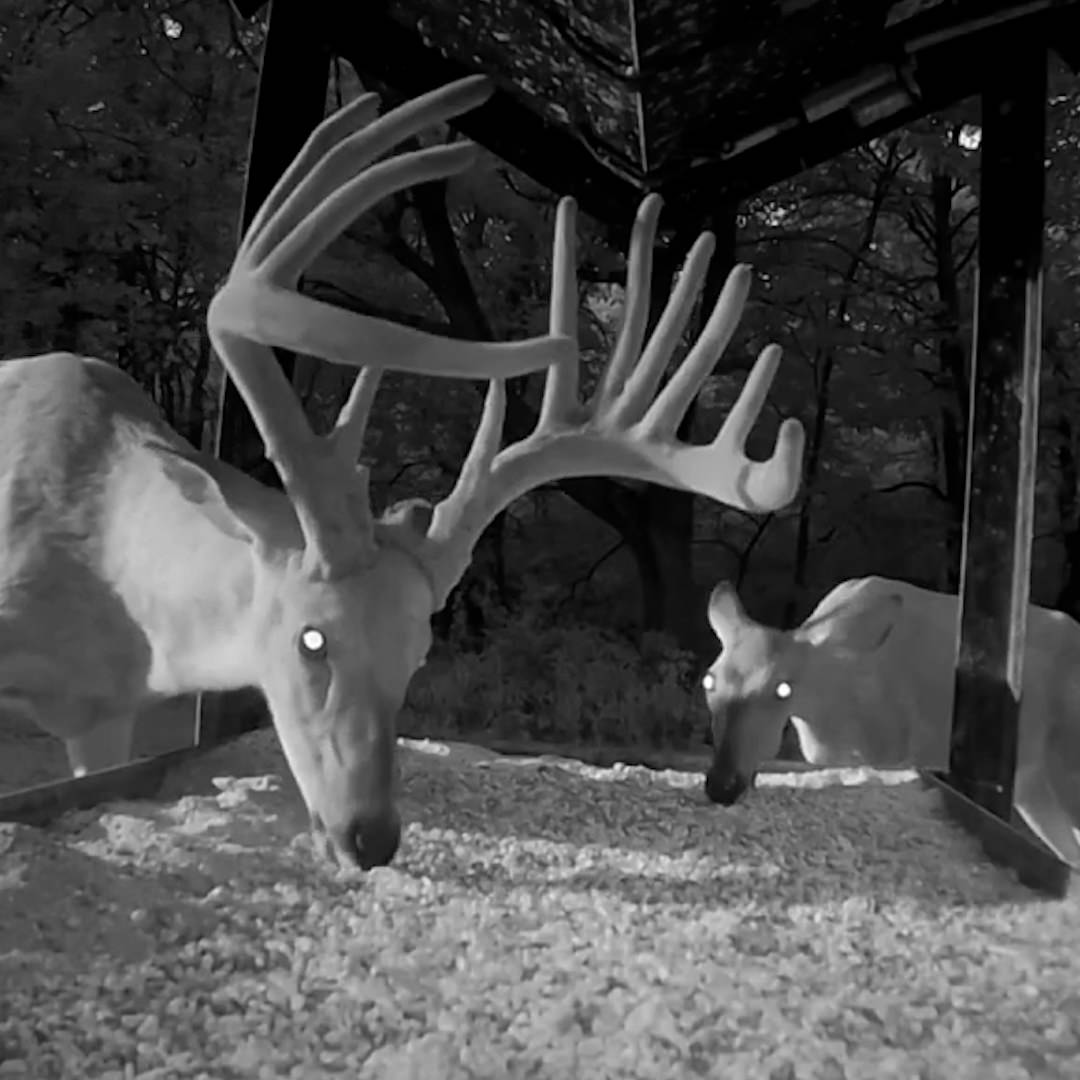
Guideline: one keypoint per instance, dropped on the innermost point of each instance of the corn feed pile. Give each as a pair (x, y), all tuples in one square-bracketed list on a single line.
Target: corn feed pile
[(543, 919)]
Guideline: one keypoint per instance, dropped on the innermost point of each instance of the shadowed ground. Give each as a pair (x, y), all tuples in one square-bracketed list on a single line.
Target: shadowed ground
[(30, 756)]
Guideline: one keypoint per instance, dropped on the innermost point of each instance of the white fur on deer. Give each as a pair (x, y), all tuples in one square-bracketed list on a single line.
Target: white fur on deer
[(868, 679), (132, 565)]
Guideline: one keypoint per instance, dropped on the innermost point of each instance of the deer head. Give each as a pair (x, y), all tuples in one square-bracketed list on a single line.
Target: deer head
[(341, 601), (822, 677)]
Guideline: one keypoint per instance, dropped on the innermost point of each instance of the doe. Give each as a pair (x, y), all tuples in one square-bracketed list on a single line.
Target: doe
[(868, 679)]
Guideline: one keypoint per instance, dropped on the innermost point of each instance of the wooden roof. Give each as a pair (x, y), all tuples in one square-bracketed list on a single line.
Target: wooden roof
[(703, 100)]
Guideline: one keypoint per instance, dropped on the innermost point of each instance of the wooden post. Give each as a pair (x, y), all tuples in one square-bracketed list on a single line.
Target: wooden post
[(291, 102), (1003, 432)]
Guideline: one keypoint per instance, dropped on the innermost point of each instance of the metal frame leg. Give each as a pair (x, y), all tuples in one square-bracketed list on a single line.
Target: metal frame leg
[(1002, 450)]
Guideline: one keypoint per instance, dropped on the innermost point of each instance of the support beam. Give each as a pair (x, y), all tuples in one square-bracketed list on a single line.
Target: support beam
[(140, 779), (291, 102), (1008, 844), (1002, 449), (1002, 435)]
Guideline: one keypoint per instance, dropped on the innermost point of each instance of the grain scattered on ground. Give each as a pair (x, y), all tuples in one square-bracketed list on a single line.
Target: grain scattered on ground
[(543, 919)]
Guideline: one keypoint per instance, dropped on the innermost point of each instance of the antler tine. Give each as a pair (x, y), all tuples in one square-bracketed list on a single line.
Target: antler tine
[(636, 299), (320, 157), (561, 385), (259, 301), (484, 449), (356, 196), (348, 145), (459, 519), (330, 501), (666, 412), (620, 433), (348, 434), (640, 387)]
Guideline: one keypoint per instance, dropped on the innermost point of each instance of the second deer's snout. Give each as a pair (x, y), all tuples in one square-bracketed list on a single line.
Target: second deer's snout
[(724, 786)]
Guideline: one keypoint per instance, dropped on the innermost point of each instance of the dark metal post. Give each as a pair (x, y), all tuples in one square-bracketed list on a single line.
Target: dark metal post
[(290, 103), (1003, 432)]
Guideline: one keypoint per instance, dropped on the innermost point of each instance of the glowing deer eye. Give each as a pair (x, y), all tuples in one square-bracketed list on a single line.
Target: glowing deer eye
[(312, 644), (783, 691), (709, 682)]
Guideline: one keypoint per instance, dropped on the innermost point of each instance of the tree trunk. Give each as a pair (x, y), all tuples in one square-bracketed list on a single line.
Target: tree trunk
[(195, 421), (824, 364), (670, 600), (954, 468), (1067, 496), (952, 356), (1068, 597), (823, 367)]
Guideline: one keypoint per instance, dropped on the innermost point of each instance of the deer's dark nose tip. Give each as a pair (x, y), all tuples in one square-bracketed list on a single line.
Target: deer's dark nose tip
[(370, 840), (725, 788)]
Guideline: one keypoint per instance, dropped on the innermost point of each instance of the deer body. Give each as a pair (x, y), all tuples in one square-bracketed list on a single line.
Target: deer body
[(123, 582), (133, 565), (72, 655), (868, 679), (110, 574)]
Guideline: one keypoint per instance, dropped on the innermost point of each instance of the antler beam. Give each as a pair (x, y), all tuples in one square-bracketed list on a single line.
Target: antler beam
[(626, 429), (335, 178)]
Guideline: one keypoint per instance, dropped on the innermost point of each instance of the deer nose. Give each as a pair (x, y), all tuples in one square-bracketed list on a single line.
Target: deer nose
[(370, 840), (725, 788)]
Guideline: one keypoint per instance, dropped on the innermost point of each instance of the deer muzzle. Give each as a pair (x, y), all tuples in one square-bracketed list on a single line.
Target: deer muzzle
[(350, 786), (363, 824), (368, 838), (730, 775), (725, 786)]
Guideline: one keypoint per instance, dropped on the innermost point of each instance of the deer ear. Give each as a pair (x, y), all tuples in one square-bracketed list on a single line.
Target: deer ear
[(201, 489), (861, 625), (726, 613), (412, 514)]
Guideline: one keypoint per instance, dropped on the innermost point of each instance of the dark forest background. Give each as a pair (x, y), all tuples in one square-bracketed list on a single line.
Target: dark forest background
[(123, 133)]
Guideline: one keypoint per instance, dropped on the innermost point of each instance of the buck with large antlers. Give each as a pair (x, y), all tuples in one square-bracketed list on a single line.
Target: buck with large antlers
[(135, 566), (868, 679)]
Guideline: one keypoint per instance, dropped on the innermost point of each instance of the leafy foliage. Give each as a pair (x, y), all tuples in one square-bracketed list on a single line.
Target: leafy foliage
[(123, 127), (566, 683)]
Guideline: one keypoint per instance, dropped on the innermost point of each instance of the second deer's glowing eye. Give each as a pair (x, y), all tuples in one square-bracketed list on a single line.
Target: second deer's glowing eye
[(709, 682), (783, 690), (312, 644)]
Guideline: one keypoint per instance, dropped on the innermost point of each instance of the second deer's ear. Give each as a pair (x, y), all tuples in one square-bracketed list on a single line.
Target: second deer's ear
[(726, 613), (413, 514)]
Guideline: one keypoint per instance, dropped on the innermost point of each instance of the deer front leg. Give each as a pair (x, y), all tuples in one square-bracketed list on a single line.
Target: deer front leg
[(104, 746)]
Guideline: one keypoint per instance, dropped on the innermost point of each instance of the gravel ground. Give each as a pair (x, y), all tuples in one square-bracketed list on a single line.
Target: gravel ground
[(543, 919)]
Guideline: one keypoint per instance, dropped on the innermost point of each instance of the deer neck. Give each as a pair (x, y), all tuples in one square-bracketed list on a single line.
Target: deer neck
[(190, 586), (892, 711)]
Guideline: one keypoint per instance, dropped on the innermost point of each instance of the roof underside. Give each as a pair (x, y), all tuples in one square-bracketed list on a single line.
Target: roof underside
[(705, 101)]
